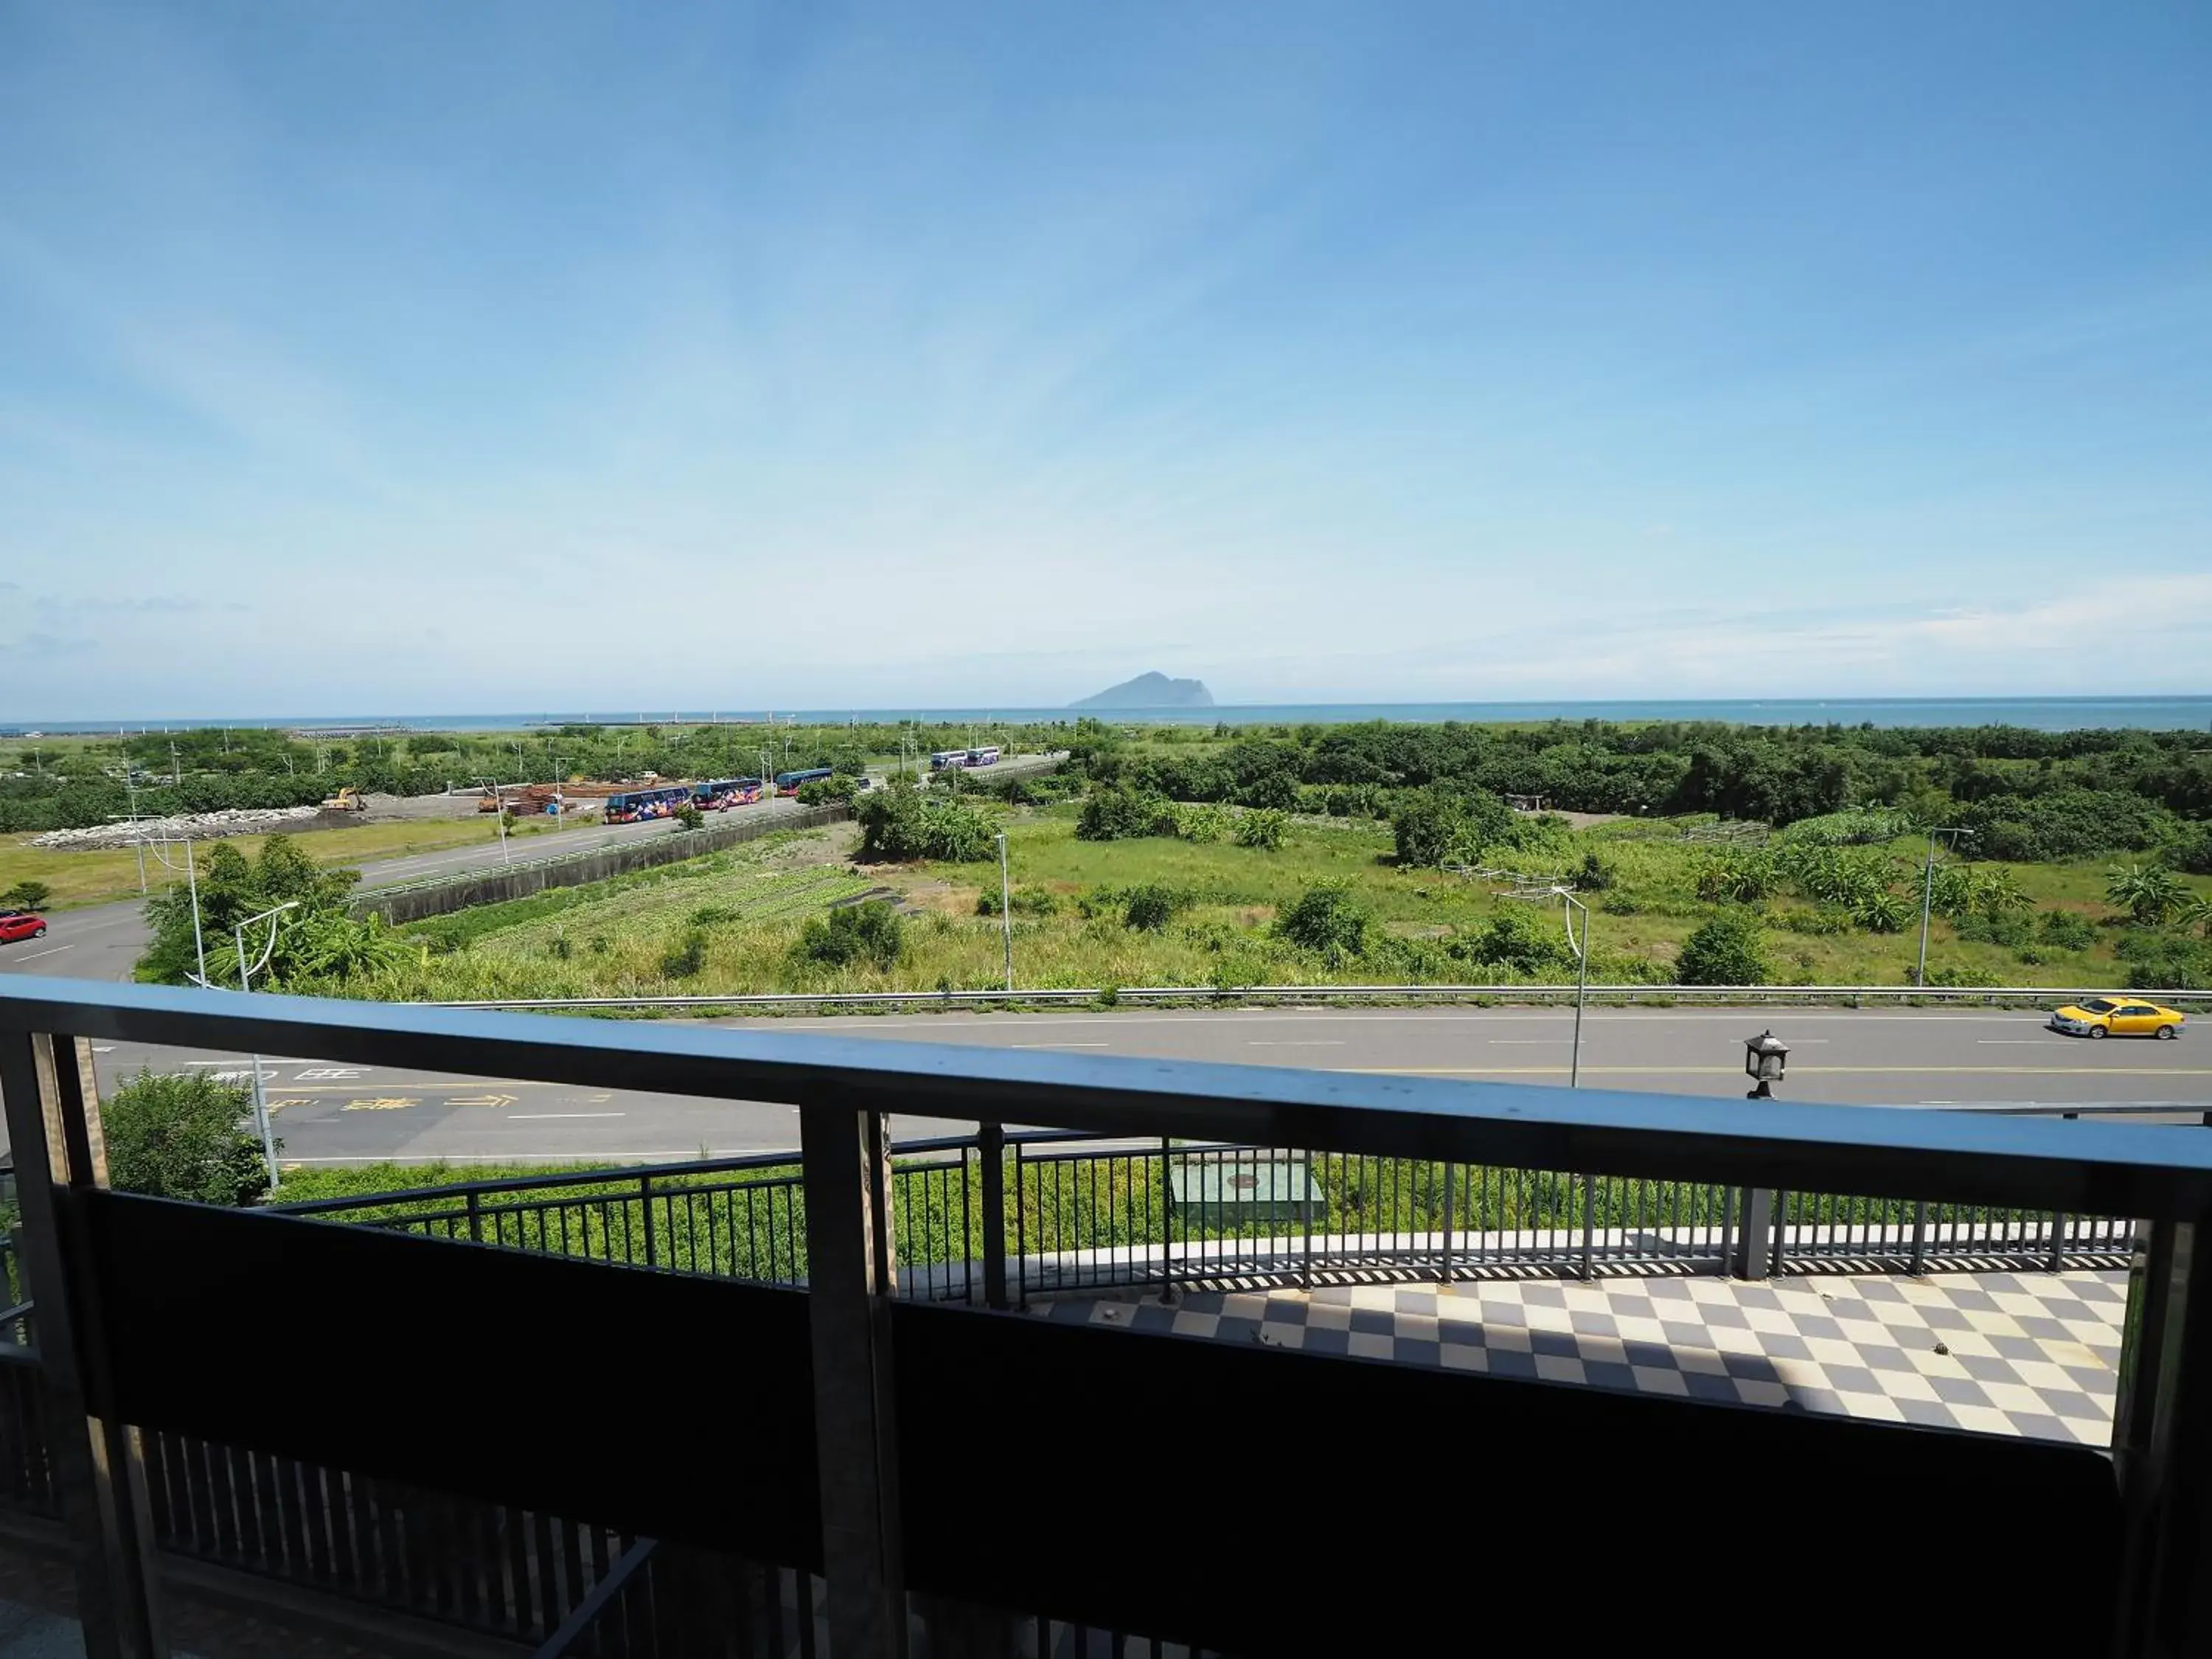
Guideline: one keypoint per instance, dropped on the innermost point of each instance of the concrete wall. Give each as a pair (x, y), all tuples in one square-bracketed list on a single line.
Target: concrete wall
[(497, 885)]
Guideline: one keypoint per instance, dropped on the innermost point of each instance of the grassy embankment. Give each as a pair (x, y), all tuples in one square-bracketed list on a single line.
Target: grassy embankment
[(744, 908)]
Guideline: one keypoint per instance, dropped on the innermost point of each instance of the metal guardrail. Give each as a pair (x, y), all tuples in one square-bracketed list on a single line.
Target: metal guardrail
[(812, 816), (1058, 996)]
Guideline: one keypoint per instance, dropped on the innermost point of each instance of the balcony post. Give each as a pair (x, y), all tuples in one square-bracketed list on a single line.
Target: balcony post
[(991, 1158), (2162, 1443), (99, 1471), (849, 1309), (1754, 1238)]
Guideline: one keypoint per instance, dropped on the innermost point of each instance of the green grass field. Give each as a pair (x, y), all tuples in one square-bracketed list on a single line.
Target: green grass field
[(744, 909)]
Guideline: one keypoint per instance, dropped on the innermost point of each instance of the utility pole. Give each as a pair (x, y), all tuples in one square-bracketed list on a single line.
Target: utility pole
[(499, 812), (1006, 909), (1928, 900), (138, 841)]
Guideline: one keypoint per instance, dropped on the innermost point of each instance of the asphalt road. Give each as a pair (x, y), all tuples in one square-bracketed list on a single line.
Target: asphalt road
[(104, 941), (343, 1115)]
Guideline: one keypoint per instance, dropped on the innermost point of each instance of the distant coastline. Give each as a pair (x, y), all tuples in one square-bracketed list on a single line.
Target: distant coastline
[(2039, 714)]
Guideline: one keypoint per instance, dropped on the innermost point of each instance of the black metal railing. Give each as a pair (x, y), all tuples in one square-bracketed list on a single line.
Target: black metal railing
[(913, 1454), (1073, 1215)]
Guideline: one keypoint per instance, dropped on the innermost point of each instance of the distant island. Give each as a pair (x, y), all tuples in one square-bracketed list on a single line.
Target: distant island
[(1151, 691)]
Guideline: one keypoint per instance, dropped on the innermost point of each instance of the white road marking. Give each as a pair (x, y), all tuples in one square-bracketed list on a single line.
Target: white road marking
[(1058, 1045), (1293, 1042), (51, 951), (539, 1117)]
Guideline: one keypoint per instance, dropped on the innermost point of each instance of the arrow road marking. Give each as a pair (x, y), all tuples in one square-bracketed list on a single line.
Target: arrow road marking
[(480, 1100)]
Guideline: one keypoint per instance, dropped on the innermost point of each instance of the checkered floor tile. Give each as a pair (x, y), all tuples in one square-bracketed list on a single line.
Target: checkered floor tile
[(2003, 1353)]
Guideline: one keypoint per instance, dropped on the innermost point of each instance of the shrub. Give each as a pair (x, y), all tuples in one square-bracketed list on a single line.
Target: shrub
[(1855, 828), (1118, 814), (1744, 874), (690, 817), (820, 791), (1151, 908), (2148, 893), (2170, 964), (1262, 828), (25, 896), (184, 1135), (1592, 875), (1727, 950), (1198, 823), (2010, 929), (686, 956), (1028, 902), (870, 932), (706, 915), (2066, 930), (1325, 920), (1514, 938), (1881, 911)]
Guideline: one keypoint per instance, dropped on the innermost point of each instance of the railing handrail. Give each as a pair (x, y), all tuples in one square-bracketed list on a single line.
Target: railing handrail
[(1056, 994), (2084, 1168)]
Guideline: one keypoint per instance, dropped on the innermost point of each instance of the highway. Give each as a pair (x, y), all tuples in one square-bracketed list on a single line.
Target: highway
[(346, 1115), (104, 941)]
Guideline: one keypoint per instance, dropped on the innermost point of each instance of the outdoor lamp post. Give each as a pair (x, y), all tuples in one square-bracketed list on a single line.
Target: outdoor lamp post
[(275, 919), (1764, 1057)]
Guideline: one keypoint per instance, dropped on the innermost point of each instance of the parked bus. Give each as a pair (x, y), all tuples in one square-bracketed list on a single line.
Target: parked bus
[(944, 757), (724, 792), (787, 783), (635, 806), (986, 755)]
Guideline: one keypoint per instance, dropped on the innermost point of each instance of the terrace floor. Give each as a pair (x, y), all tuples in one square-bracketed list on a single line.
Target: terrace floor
[(2024, 1354)]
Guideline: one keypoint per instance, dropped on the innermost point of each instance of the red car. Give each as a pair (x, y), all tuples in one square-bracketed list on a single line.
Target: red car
[(21, 924)]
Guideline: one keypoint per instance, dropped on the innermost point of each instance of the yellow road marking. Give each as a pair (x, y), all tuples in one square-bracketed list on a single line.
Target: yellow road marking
[(379, 1103), (416, 1083), (1805, 1071), (482, 1100)]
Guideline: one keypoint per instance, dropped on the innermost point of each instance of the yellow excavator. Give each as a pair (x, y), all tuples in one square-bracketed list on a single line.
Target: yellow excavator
[(348, 800)]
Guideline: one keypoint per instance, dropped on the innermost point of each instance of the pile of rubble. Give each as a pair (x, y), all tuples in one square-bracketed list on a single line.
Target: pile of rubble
[(184, 826)]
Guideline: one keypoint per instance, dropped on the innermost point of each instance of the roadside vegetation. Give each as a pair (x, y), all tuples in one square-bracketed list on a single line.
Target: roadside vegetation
[(1380, 854)]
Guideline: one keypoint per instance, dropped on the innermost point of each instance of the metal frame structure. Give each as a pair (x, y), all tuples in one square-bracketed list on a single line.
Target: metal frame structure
[(79, 1244)]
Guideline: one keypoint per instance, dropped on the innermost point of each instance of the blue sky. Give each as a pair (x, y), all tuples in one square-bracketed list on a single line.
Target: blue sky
[(413, 358)]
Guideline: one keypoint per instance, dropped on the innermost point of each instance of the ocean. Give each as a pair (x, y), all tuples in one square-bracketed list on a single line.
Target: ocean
[(2039, 714)]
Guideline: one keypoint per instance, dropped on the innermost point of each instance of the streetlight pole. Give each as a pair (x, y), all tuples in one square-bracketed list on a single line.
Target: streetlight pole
[(1928, 900), (246, 988), (1006, 909), (1539, 890), (192, 887)]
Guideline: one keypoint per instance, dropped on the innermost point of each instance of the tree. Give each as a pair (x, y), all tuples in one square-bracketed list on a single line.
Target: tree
[(2148, 893), (1727, 950), (1325, 920), (1437, 826), (25, 896), (184, 1135), (898, 824), (233, 887)]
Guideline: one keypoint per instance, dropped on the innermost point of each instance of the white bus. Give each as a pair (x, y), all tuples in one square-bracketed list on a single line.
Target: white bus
[(944, 757), (986, 755)]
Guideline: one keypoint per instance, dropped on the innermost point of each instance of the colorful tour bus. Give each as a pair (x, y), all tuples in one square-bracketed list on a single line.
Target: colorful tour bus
[(724, 792), (634, 806), (787, 783)]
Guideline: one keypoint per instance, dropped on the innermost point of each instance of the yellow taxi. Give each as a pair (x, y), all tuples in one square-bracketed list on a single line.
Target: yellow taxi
[(2117, 1015)]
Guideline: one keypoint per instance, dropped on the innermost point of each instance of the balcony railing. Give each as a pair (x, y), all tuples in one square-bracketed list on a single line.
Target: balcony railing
[(853, 1468), (998, 1218)]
